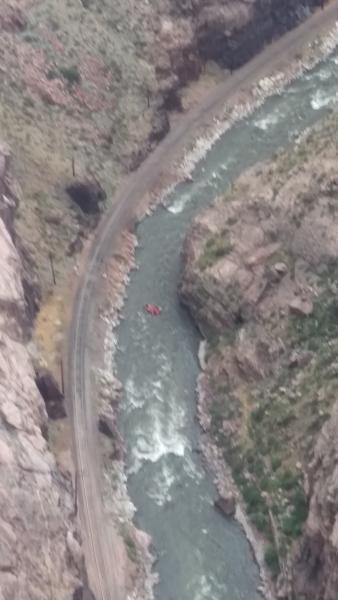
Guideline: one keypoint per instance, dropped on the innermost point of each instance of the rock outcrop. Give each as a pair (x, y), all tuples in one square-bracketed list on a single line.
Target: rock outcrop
[(230, 32), (241, 29), (36, 504), (259, 277), (226, 504)]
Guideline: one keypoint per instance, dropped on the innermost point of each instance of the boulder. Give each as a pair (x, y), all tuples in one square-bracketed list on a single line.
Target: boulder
[(278, 271), (301, 307), (226, 504), (300, 358), (107, 426)]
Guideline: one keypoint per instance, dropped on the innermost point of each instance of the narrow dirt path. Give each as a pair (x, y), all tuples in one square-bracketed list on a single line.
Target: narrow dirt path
[(102, 560)]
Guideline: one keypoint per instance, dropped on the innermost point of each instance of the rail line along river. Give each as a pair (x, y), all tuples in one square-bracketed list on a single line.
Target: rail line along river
[(201, 555)]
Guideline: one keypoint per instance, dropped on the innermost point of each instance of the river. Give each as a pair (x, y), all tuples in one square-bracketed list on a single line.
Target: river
[(201, 555)]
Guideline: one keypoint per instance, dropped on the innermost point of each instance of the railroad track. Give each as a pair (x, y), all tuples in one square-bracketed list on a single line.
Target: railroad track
[(98, 538)]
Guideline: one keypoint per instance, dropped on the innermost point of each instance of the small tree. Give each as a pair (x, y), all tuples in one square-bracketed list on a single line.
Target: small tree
[(71, 74)]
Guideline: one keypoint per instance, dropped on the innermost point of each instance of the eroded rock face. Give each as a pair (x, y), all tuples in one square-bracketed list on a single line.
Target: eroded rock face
[(259, 277), (227, 31), (36, 504)]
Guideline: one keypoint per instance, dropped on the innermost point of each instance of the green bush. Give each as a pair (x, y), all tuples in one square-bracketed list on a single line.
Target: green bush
[(256, 467), (287, 480), (271, 559), (275, 462), (292, 524), (257, 414), (252, 497), (71, 74)]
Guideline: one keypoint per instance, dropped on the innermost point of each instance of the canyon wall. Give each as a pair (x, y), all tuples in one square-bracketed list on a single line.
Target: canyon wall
[(85, 89), (40, 555), (259, 277), (225, 31)]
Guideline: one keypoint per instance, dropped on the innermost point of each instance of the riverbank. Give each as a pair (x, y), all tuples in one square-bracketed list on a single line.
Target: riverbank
[(122, 291)]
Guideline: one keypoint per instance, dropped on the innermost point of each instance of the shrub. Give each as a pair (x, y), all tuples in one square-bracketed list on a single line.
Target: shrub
[(217, 410), (71, 74), (271, 559), (288, 480), (131, 548), (215, 248), (262, 523), (252, 497), (292, 524)]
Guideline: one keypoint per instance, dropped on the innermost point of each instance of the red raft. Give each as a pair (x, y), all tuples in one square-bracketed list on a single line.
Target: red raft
[(152, 309)]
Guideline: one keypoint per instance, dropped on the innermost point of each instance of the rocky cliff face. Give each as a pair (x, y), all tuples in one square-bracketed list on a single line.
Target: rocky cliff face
[(231, 32), (260, 272), (314, 570), (226, 31), (40, 556), (85, 89)]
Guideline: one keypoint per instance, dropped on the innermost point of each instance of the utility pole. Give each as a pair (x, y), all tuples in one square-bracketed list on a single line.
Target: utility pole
[(73, 166), (52, 267), (62, 378), (75, 495)]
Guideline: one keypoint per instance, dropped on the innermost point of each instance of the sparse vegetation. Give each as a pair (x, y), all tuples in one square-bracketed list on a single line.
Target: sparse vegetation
[(215, 247), (271, 559), (129, 543)]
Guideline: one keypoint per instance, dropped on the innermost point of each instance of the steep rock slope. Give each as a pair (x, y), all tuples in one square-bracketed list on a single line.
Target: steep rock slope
[(231, 32), (314, 570), (39, 555), (86, 86), (260, 272)]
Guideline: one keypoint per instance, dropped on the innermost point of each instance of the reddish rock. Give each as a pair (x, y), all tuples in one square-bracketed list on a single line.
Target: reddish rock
[(226, 504), (107, 426)]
